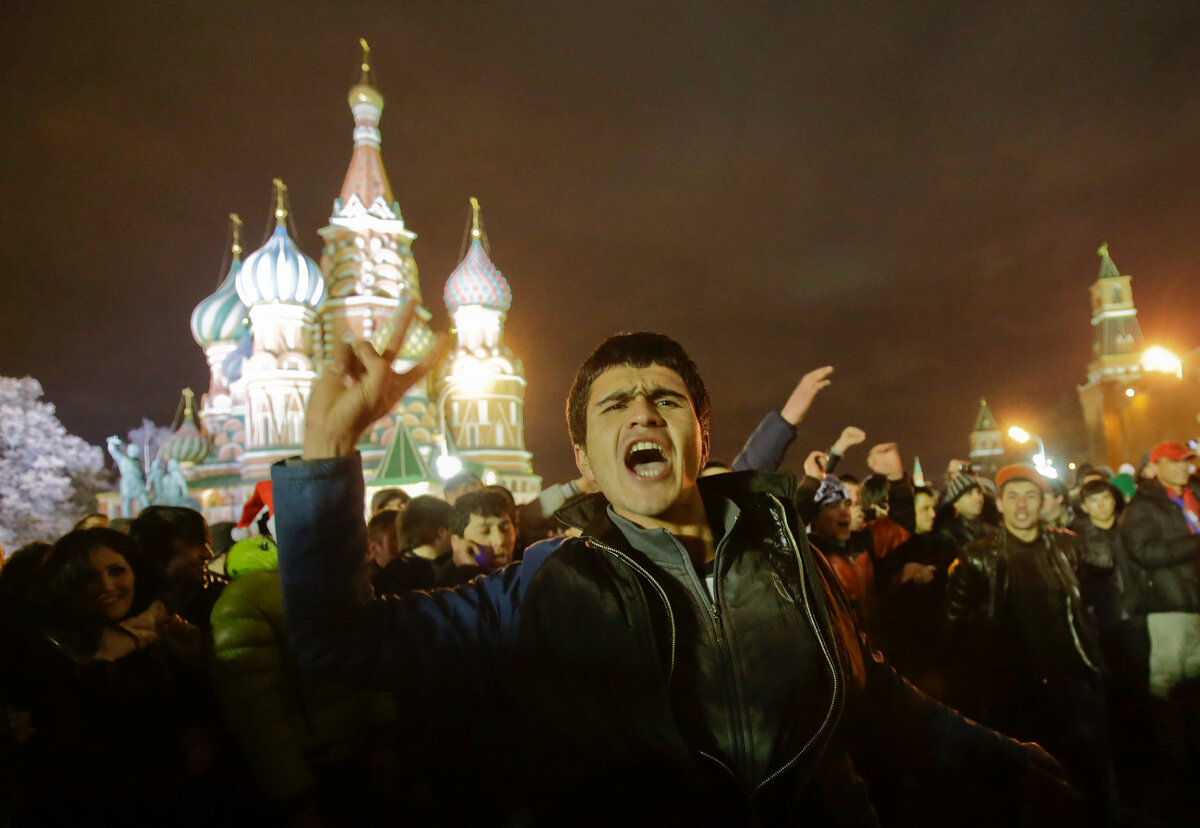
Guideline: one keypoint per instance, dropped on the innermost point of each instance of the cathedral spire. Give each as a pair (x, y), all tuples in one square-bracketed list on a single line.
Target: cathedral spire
[(366, 187), (235, 227), (280, 202)]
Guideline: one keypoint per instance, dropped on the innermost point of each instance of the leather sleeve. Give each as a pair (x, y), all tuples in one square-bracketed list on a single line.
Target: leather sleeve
[(906, 729), (1146, 537), (964, 592)]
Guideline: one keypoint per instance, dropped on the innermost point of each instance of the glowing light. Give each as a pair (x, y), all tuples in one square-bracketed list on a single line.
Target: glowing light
[(1071, 466), (1159, 359), (1019, 434), (447, 466), (1048, 471), (1129, 392), (489, 478), (471, 376)]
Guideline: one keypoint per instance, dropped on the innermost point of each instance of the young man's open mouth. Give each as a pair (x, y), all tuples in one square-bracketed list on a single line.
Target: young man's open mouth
[(648, 460)]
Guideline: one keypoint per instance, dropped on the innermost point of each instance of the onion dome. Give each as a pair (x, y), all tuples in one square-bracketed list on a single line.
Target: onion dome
[(188, 444), (278, 271), (219, 317), (476, 281)]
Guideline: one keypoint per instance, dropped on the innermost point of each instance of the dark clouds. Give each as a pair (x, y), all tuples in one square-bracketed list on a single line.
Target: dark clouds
[(911, 192)]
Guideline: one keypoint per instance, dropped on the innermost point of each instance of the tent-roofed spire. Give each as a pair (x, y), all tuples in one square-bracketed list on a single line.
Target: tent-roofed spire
[(366, 181), (984, 419), (1108, 270)]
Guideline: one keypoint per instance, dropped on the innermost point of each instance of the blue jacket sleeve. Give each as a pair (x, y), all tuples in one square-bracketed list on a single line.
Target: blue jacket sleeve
[(416, 642), (767, 445)]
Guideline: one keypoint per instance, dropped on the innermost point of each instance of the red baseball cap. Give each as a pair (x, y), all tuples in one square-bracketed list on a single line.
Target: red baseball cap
[(1171, 450), (1020, 471)]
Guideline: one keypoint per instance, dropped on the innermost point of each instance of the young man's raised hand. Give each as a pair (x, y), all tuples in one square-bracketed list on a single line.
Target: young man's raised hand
[(359, 388)]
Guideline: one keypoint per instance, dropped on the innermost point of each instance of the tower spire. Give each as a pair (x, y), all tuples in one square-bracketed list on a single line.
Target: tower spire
[(280, 203), (365, 79), (235, 226), (475, 232), (1108, 269), (366, 181)]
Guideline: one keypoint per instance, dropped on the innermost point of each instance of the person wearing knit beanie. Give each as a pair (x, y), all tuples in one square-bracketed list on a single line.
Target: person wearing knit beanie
[(959, 486)]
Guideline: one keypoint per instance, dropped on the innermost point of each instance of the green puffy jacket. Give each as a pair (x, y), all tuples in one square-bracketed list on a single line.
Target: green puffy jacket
[(282, 717)]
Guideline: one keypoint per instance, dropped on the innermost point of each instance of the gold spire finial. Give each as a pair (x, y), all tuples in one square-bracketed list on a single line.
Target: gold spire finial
[(366, 61), (236, 223), (280, 208), (1103, 251), (188, 394), (475, 232)]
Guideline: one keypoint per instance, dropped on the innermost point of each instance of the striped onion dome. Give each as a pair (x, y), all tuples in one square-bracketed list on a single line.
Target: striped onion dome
[(219, 317), (476, 281), (279, 272), (188, 444)]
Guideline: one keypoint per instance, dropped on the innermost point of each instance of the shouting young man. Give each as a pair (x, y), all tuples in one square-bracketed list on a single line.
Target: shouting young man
[(687, 660)]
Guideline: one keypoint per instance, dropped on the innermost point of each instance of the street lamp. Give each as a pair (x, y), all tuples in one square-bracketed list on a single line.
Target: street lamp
[(1040, 461)]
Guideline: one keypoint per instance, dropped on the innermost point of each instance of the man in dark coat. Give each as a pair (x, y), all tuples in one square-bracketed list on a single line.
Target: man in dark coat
[(688, 660), (1035, 669), (1161, 532)]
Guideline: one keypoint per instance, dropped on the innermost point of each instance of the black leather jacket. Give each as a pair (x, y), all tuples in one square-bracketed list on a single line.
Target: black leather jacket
[(979, 585), (1155, 535)]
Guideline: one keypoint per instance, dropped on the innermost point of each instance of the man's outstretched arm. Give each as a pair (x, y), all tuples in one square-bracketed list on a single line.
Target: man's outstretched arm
[(336, 625), (417, 641), (769, 443)]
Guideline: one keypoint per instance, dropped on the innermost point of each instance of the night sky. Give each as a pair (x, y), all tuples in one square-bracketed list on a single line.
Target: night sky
[(912, 192)]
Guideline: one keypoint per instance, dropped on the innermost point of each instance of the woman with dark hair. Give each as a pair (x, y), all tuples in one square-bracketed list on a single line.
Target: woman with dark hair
[(110, 690)]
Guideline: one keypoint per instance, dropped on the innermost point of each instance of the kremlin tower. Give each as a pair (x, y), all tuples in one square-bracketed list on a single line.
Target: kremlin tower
[(277, 317)]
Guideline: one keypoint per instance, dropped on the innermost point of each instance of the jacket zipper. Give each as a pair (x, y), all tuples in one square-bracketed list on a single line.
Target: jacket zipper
[(662, 593), (824, 650)]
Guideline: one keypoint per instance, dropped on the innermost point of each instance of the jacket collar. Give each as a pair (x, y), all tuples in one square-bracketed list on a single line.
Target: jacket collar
[(589, 514)]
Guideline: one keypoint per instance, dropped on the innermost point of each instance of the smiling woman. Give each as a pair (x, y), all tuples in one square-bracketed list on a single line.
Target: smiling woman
[(111, 686)]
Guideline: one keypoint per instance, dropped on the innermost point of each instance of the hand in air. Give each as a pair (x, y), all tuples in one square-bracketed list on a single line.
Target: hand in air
[(814, 464), (850, 437), (359, 388), (803, 394)]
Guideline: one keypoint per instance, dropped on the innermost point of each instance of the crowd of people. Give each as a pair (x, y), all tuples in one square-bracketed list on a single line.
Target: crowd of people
[(664, 640)]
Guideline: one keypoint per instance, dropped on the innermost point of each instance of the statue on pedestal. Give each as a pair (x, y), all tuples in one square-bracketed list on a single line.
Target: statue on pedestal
[(133, 479)]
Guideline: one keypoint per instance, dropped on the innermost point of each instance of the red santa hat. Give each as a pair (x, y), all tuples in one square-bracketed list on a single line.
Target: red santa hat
[(261, 499)]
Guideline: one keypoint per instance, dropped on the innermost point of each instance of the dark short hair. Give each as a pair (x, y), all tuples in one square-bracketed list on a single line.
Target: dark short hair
[(382, 523), (157, 527), (925, 490), (1097, 486), (507, 495), (420, 521), (68, 568), (385, 496), (483, 503), (874, 491), (639, 350)]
